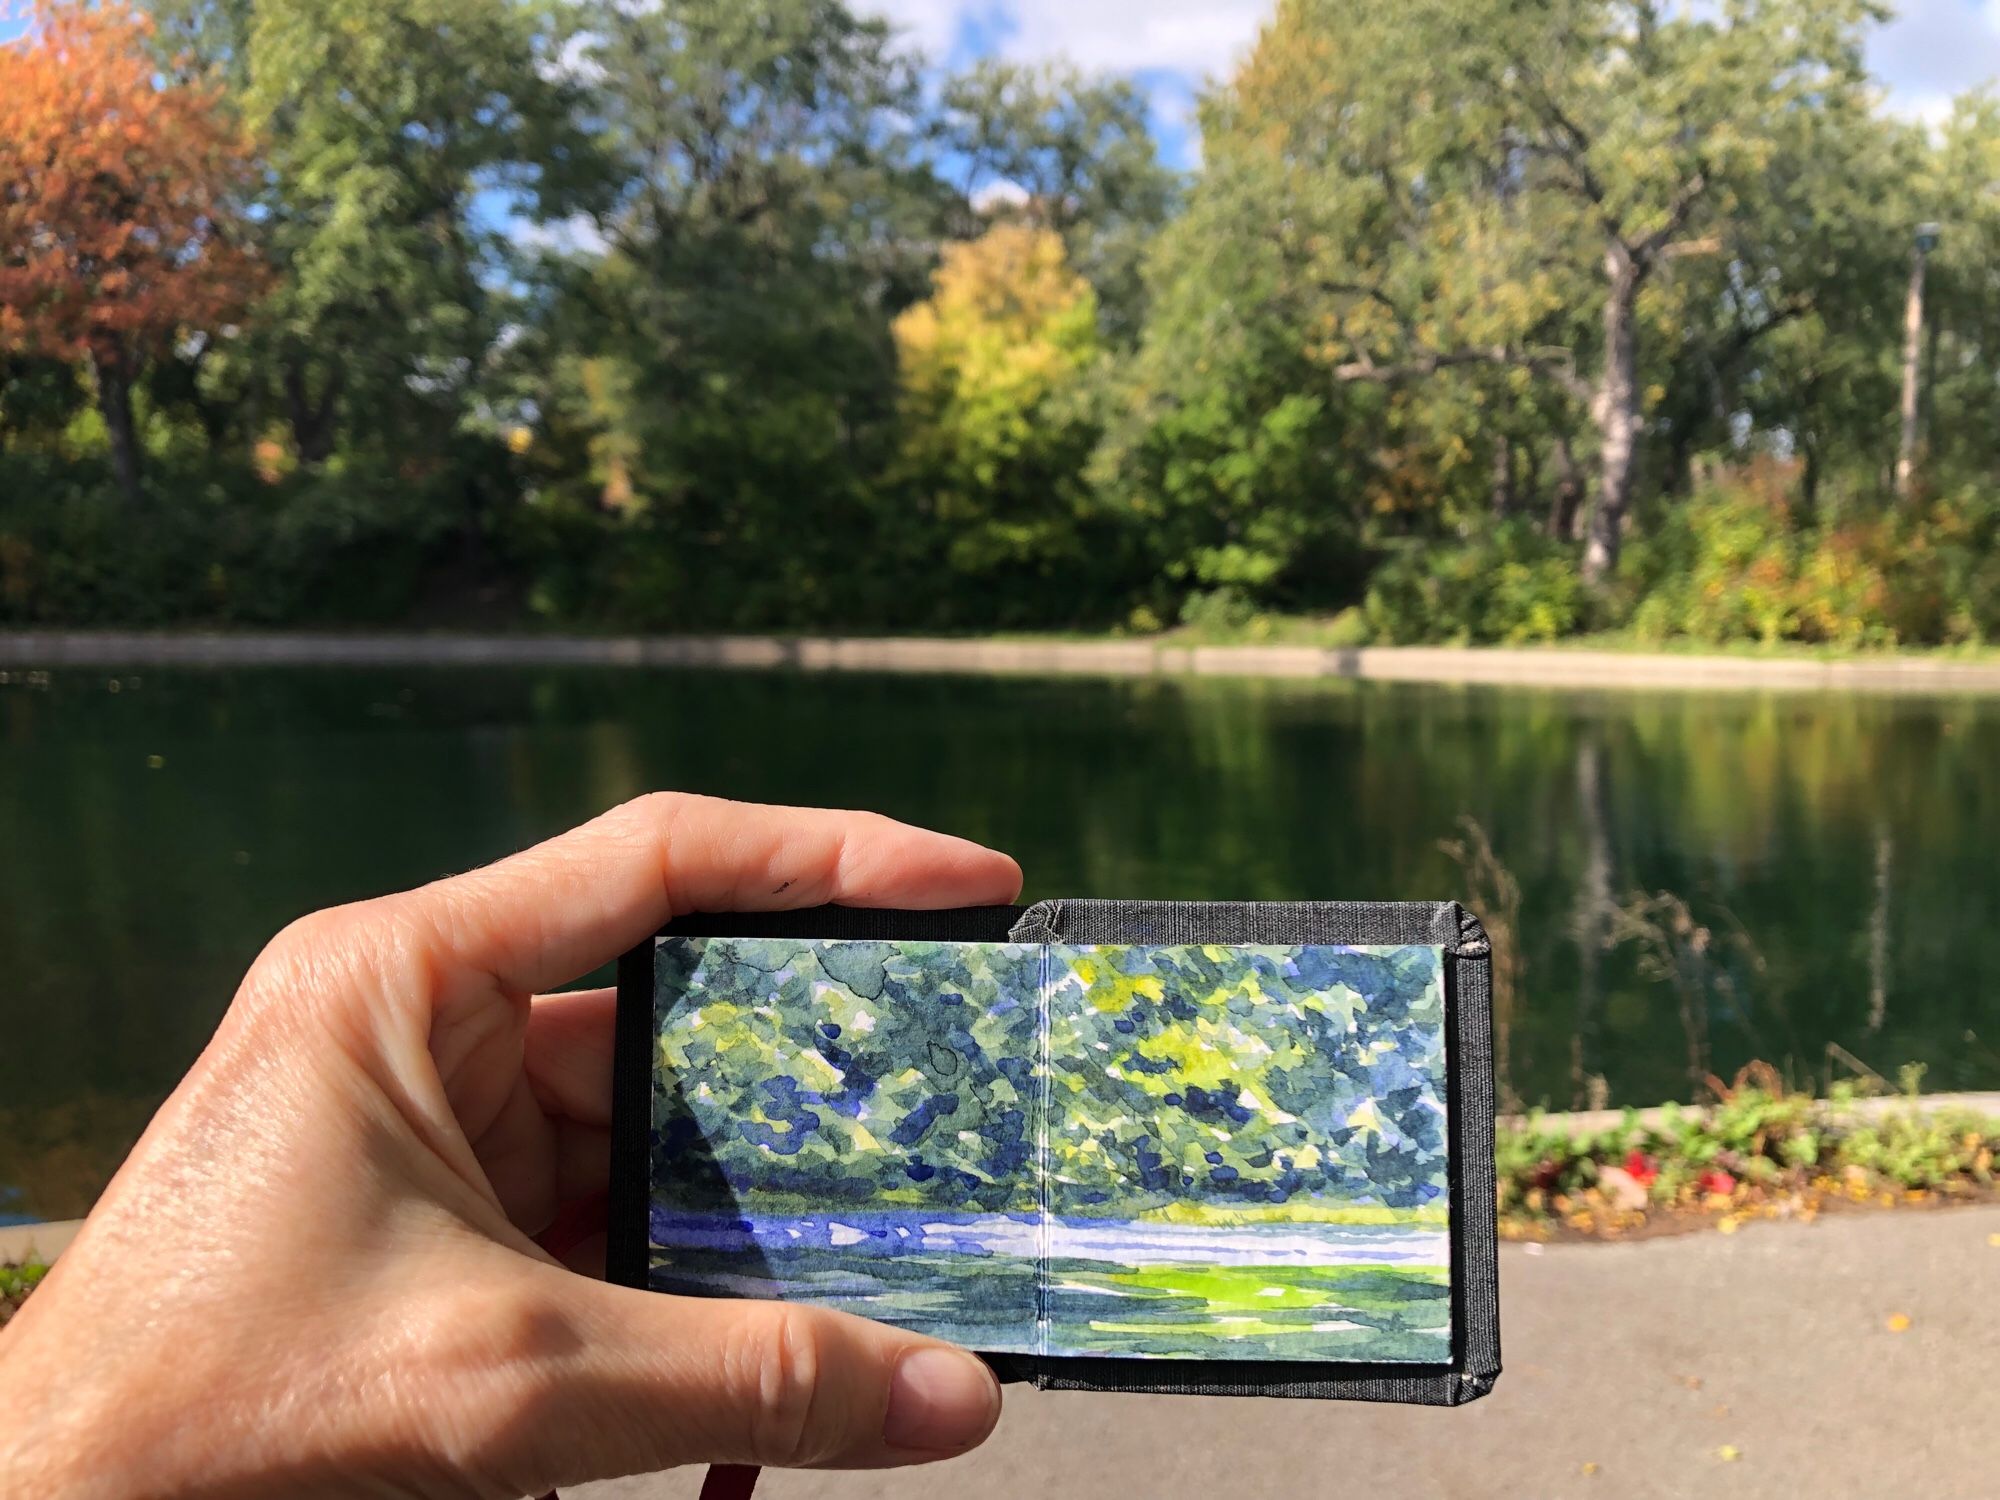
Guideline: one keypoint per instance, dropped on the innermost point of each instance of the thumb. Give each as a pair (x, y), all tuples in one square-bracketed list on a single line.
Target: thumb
[(644, 1381)]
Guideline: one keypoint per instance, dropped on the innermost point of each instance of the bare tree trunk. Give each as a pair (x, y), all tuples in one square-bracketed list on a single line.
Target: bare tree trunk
[(113, 369), (1569, 492), (311, 420), (1878, 932), (1913, 333), (1615, 409), (1502, 477)]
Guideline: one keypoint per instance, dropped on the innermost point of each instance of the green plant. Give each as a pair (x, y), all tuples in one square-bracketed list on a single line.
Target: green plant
[(1758, 1150), (1508, 585), (16, 1281)]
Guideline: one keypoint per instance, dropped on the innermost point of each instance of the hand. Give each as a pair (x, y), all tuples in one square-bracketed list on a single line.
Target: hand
[(315, 1274)]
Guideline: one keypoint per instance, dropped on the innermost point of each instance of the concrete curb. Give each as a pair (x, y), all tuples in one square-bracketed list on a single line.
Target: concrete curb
[(1588, 1121), (40, 1243), (41, 649)]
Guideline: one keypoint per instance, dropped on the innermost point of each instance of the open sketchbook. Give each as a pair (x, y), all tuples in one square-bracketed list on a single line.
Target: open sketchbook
[(1066, 1150)]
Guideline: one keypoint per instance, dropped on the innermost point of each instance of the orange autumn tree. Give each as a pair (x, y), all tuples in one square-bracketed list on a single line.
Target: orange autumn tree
[(119, 203)]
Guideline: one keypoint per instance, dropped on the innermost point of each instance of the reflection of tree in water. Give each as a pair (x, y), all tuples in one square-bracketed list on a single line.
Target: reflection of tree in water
[(1701, 962), (1494, 896)]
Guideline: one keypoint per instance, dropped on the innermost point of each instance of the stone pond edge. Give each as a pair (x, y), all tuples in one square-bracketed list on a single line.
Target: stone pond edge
[(1541, 667)]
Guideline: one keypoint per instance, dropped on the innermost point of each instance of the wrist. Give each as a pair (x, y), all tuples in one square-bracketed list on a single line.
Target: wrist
[(90, 1415)]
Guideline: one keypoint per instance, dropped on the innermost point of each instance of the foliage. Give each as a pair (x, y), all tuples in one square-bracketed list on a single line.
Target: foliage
[(1743, 560), (738, 314), (119, 225), (343, 546), (1760, 1151), (806, 1068), (1076, 153), (1506, 584), (996, 417), (16, 1281)]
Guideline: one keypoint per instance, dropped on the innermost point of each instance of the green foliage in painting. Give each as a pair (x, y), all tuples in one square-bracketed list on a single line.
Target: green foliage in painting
[(858, 1073), (1176, 1079)]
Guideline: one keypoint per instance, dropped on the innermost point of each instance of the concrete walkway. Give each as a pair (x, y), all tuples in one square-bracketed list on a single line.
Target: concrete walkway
[(1548, 667), (1645, 1360)]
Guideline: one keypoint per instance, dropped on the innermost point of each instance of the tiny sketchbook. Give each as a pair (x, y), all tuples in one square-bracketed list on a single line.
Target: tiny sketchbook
[(1230, 1148)]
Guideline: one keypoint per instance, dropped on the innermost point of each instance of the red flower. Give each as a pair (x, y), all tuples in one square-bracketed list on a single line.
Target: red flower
[(1640, 1168), (1715, 1180)]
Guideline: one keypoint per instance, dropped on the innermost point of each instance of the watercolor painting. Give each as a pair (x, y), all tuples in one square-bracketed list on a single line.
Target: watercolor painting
[(1166, 1152)]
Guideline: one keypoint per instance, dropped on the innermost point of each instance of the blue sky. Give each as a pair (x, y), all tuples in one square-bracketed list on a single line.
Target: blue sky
[(1933, 50)]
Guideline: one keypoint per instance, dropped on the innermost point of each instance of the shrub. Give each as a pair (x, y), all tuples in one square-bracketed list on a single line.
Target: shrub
[(218, 547), (1508, 585), (1740, 560)]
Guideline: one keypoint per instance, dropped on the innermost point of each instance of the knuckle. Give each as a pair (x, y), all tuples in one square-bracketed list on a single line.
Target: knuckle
[(322, 954), (778, 1357), (649, 811)]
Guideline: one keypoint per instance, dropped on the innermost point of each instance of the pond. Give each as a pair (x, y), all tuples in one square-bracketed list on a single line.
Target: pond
[(1841, 851)]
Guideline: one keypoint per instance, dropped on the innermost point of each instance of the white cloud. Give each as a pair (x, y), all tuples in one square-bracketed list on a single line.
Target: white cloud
[(999, 193), (1933, 50), (576, 235), (932, 25), (1198, 38)]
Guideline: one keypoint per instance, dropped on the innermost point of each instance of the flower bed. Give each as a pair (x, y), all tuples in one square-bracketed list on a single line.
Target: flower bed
[(1758, 1153)]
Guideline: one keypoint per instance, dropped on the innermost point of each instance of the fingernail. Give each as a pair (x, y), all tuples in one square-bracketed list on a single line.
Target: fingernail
[(940, 1400)]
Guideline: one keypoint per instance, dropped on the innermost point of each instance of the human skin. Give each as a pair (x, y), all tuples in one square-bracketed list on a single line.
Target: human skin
[(316, 1274)]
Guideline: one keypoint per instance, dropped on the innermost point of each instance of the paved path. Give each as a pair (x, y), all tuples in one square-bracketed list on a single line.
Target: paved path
[(1642, 1359), (1543, 667)]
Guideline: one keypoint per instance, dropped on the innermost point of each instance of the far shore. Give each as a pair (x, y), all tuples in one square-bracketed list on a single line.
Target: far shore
[(1566, 666)]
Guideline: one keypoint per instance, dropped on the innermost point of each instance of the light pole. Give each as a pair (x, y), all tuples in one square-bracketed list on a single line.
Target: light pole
[(1913, 333)]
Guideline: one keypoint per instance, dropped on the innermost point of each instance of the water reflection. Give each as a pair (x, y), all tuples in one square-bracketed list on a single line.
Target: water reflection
[(1853, 839)]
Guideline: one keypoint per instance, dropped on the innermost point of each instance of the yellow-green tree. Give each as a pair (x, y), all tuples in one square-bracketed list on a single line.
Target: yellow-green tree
[(996, 370)]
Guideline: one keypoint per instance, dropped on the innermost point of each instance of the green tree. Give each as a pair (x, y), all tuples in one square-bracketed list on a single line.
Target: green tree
[(1080, 156), (1504, 187), (722, 353), (389, 125), (997, 424)]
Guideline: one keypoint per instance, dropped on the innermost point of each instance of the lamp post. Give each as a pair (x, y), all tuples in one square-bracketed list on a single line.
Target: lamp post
[(1913, 332)]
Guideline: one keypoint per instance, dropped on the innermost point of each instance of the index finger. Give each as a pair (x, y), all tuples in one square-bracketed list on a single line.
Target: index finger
[(540, 918)]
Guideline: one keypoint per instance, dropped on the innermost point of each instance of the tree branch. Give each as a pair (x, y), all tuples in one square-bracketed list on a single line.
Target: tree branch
[(1558, 368), (1678, 208)]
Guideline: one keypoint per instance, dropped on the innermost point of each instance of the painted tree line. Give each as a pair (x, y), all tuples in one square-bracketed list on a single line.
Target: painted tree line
[(879, 1074), (1488, 320)]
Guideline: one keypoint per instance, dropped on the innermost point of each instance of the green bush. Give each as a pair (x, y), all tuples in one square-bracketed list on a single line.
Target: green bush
[(224, 547), (1741, 561), (1507, 585)]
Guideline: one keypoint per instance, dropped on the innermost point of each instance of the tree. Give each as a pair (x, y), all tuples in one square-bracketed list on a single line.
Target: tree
[(996, 428), (1488, 173), (1051, 146), (726, 353), (119, 198), (385, 121)]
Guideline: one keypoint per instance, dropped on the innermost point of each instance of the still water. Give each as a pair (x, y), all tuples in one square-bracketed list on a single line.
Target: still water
[(156, 829)]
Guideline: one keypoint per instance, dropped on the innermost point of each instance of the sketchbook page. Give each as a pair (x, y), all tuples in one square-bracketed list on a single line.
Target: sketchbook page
[(1246, 1153), (852, 1124)]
